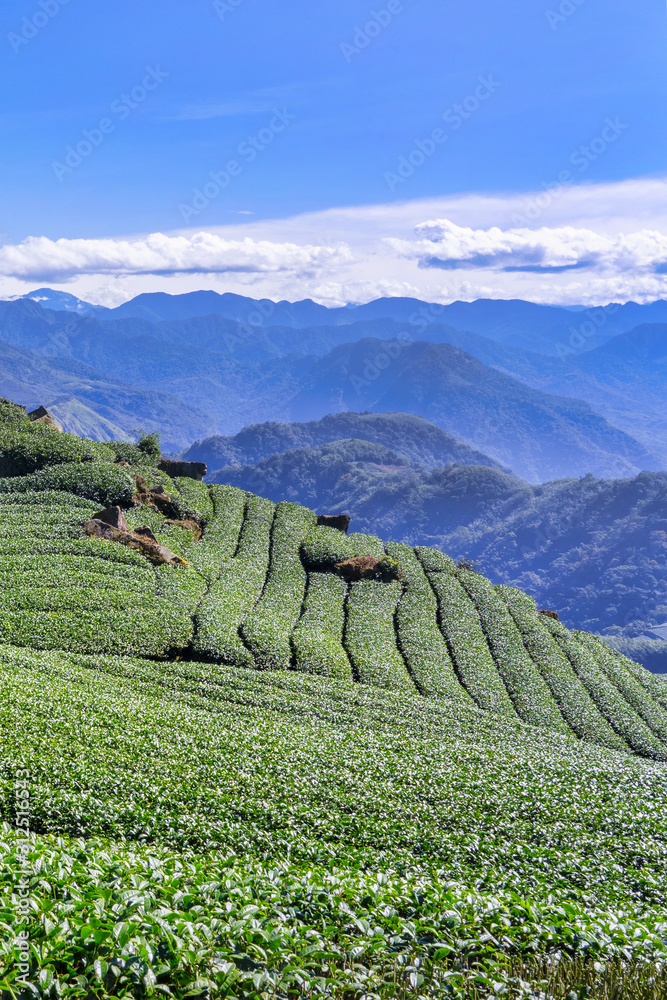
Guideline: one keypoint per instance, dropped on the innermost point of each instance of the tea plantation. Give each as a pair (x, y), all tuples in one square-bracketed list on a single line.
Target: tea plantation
[(250, 777)]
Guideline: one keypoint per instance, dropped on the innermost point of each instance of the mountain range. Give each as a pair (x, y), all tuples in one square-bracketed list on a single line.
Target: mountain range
[(514, 322), (191, 377)]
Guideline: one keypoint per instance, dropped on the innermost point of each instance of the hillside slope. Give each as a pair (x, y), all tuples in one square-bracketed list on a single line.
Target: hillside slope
[(414, 438), (261, 589), (593, 549), (426, 786)]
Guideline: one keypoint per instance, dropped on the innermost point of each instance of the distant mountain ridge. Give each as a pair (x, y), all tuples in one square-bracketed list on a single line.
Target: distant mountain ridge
[(514, 322), (211, 374), (414, 439)]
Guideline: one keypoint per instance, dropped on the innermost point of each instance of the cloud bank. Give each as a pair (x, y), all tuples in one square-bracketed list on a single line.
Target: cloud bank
[(585, 245), (41, 259), (441, 243)]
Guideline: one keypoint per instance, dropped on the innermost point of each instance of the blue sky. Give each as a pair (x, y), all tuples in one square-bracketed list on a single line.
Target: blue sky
[(553, 75)]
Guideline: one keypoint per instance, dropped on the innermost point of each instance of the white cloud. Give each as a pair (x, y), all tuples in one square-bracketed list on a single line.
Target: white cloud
[(585, 244), (41, 259), (441, 243)]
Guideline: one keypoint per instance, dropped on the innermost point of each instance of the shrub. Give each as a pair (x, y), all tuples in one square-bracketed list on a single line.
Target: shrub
[(475, 665), (268, 629), (149, 445), (527, 688), (573, 699), (232, 597), (613, 706), (26, 450), (324, 547), (101, 482), (318, 636), (634, 693), (370, 635), (419, 635)]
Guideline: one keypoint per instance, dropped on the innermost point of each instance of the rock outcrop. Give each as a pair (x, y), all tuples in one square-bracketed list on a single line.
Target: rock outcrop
[(113, 516), (341, 522), (189, 470), (141, 540), (550, 614), (42, 416), (369, 568)]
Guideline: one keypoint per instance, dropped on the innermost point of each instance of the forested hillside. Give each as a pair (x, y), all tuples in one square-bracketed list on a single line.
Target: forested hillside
[(413, 438)]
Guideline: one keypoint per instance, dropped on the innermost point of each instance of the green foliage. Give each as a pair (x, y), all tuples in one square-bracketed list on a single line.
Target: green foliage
[(103, 483), (222, 532), (149, 445), (419, 636), (239, 586), (318, 636), (472, 657), (209, 830), (370, 635), (628, 685), (593, 549), (25, 449), (268, 629), (111, 604), (323, 547), (606, 696), (573, 699), (194, 822), (125, 451), (527, 688), (12, 413), (198, 497)]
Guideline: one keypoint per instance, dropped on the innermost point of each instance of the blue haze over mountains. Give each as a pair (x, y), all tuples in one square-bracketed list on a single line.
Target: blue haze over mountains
[(202, 363)]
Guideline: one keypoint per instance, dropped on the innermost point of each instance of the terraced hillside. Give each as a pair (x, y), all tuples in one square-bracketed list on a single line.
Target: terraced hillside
[(261, 589), (245, 775)]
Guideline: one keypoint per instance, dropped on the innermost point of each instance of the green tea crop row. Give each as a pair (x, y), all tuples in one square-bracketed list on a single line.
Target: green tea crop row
[(634, 693), (222, 532), (419, 635), (475, 666), (606, 696), (655, 686), (318, 636), (197, 496), (572, 697), (232, 597), (61, 590), (323, 547), (370, 635), (268, 629), (527, 688), (231, 761), (103, 483)]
